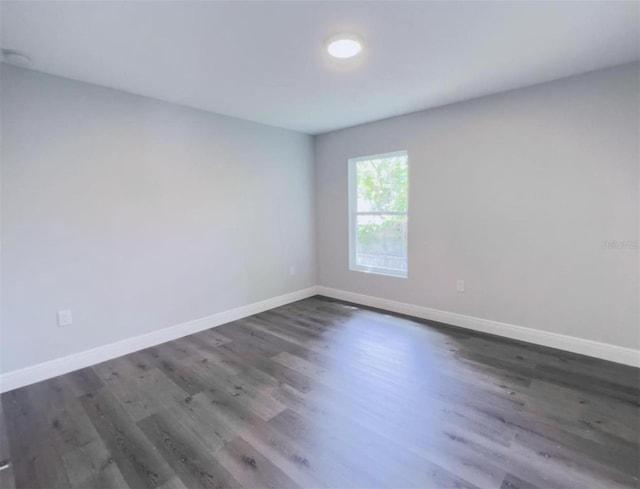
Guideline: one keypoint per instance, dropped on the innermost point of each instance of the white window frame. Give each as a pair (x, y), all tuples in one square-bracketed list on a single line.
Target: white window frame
[(353, 216)]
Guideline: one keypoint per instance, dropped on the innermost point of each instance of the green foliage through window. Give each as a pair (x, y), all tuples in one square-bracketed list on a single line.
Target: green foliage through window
[(382, 184)]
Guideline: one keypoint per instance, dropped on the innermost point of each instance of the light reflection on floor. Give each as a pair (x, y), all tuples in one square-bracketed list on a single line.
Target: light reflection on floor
[(381, 380)]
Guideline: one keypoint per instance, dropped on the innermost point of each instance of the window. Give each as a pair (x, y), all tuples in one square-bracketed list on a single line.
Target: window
[(378, 204)]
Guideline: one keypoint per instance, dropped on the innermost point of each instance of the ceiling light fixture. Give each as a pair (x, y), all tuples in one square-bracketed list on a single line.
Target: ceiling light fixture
[(15, 57), (344, 46)]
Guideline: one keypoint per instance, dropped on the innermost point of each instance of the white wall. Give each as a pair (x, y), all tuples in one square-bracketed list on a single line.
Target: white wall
[(514, 193), (138, 214)]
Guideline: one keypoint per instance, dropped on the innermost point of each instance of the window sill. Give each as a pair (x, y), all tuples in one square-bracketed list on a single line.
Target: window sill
[(380, 271)]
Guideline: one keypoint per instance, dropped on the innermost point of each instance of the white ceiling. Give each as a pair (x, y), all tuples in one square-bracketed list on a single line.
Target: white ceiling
[(264, 61)]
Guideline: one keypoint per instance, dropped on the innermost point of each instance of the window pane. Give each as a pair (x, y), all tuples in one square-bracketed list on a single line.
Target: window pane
[(381, 242), (382, 184)]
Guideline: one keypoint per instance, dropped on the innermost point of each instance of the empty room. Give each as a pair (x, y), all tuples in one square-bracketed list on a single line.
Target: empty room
[(320, 244)]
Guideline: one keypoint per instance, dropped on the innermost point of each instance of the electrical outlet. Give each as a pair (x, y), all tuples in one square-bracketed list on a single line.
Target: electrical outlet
[(64, 317), (460, 285)]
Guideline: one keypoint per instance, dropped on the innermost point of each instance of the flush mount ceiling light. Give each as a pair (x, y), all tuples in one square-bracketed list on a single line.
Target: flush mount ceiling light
[(15, 57), (344, 46)]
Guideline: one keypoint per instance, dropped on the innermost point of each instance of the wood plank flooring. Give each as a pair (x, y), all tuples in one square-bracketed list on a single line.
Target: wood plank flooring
[(320, 393)]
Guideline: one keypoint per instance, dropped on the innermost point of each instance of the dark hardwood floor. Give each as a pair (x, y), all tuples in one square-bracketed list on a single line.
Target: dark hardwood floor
[(323, 394)]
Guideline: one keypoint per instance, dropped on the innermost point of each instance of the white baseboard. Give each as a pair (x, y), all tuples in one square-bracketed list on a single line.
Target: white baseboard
[(36, 373), (605, 351)]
